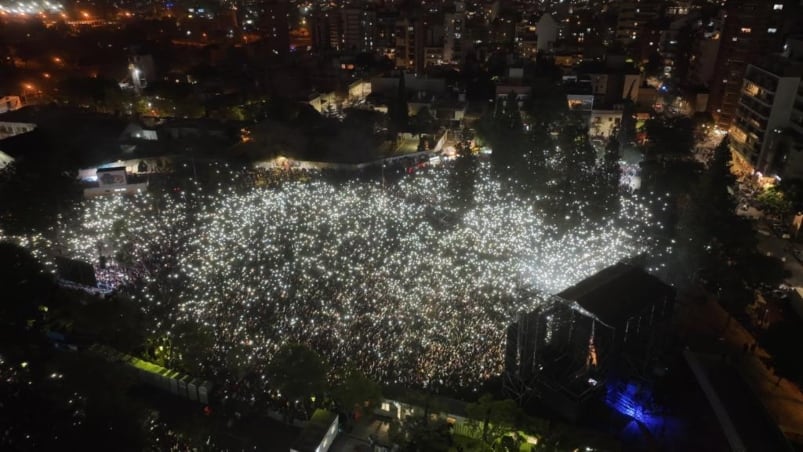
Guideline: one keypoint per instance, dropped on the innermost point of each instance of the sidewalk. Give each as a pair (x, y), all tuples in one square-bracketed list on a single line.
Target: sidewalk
[(784, 401)]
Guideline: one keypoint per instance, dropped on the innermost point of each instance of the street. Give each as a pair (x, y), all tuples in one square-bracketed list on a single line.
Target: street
[(702, 322)]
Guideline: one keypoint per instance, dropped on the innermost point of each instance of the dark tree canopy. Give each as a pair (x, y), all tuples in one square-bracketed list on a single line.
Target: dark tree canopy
[(463, 177), (494, 417), (670, 137), (355, 391), (398, 110), (298, 372), (26, 285), (784, 341)]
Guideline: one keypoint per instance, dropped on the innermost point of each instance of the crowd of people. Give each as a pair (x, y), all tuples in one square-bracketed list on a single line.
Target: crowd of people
[(273, 177), (631, 176), (359, 272)]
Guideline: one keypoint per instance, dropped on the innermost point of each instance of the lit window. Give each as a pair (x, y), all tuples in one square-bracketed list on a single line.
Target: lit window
[(772, 31), (777, 7), (746, 30)]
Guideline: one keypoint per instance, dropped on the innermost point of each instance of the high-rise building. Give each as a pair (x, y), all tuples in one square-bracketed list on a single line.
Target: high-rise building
[(454, 34), (385, 33), (419, 43), (750, 29), (349, 30), (547, 30), (358, 29), (406, 42), (703, 57), (767, 130), (433, 29), (325, 30), (275, 26), (632, 16)]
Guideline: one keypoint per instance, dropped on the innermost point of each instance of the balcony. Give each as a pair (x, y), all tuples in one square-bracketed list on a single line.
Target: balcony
[(754, 106), (763, 79), (761, 96)]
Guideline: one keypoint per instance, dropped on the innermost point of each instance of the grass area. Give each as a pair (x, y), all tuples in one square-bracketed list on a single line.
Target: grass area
[(146, 366)]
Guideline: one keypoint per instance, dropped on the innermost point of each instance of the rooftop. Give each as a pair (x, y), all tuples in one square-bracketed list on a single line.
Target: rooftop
[(617, 292), (312, 435), (780, 66)]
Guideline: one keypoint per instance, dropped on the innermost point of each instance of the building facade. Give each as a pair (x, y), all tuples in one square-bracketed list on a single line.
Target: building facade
[(633, 16), (767, 131), (750, 29), (275, 26)]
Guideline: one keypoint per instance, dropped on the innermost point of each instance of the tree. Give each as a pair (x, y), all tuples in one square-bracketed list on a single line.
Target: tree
[(729, 232), (100, 93), (497, 417), (398, 110), (547, 104), (54, 400), (611, 174), (508, 116), (432, 435), (39, 187), (509, 443), (784, 341), (714, 240), (774, 201), (792, 191), (193, 343), (282, 109), (352, 143), (118, 322), (423, 121), (573, 167), (709, 222), (297, 372), (654, 65), (504, 130), (63, 399), (464, 176), (421, 434), (576, 151), (26, 285), (355, 391), (670, 138)]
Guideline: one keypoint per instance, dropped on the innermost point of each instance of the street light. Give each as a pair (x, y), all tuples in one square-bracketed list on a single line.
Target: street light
[(27, 88)]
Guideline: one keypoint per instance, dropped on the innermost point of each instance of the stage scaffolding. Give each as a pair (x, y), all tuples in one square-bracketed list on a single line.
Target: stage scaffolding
[(559, 345)]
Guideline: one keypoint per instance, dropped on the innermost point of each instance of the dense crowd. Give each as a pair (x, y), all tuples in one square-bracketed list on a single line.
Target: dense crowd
[(387, 278)]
